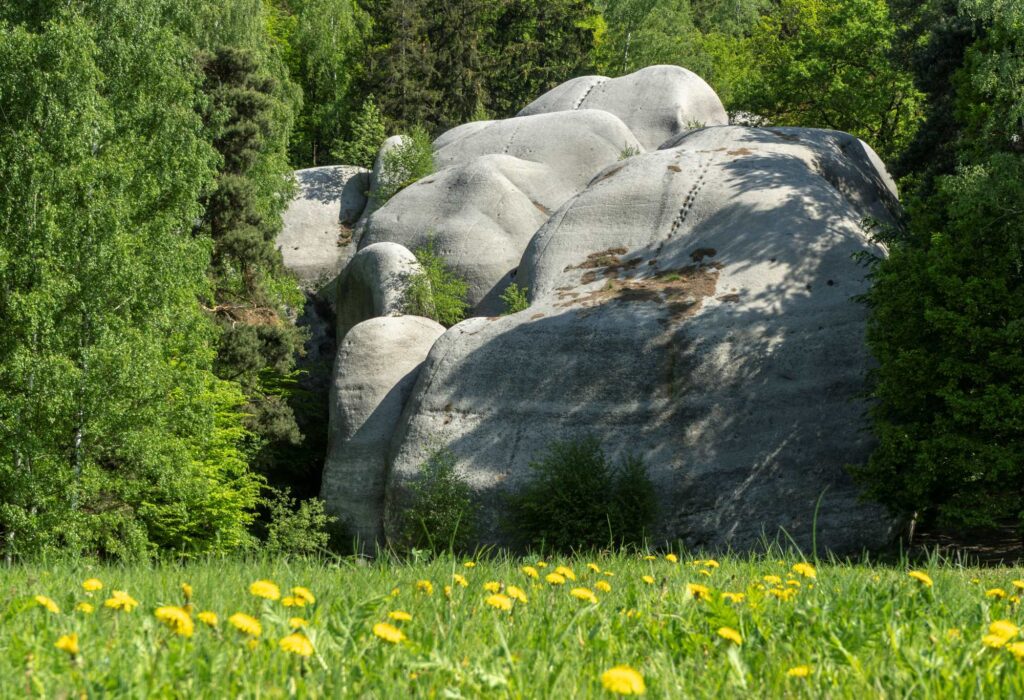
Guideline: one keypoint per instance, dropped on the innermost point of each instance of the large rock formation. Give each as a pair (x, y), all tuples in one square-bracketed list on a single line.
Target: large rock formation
[(378, 361), (691, 305)]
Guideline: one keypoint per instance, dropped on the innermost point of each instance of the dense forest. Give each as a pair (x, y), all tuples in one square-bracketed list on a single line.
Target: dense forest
[(149, 396)]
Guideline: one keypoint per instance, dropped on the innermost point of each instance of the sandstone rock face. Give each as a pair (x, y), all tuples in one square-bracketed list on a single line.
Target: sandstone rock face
[(574, 145), (656, 102), (480, 216), (315, 241), (691, 304), (374, 284), (377, 363)]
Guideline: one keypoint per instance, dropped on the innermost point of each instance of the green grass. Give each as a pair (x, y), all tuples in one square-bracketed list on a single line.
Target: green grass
[(864, 630)]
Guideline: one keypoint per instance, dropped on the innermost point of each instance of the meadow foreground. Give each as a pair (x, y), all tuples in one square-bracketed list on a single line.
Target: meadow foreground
[(662, 625)]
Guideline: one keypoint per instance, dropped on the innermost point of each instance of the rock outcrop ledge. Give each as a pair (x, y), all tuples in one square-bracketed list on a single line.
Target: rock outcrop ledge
[(691, 294)]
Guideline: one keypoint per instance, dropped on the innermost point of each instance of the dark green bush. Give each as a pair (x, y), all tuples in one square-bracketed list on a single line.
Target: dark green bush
[(441, 516), (405, 164), (576, 499), (437, 292), (297, 527)]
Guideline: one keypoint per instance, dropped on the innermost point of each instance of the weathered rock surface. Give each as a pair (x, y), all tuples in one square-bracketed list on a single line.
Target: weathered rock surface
[(480, 216), (656, 103), (693, 305), (315, 241), (574, 145), (377, 363), (374, 284)]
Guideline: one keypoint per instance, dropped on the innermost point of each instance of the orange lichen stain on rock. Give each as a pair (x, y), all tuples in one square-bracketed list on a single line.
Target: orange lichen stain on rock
[(536, 316), (682, 290), (740, 152)]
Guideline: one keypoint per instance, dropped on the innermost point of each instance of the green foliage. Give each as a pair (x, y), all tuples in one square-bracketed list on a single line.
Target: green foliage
[(437, 292), (441, 516), (628, 152), (829, 65), (115, 436), (515, 299), (947, 307), (368, 133), (299, 528), (404, 164), (577, 500)]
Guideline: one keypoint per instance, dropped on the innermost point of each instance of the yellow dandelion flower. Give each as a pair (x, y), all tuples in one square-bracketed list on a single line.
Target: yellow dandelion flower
[(389, 633), (400, 615), (120, 600), (246, 624), (424, 586), (542, 565), (252, 644), (801, 671), (953, 633), (296, 643), (698, 591), (176, 619), (530, 571), (1017, 649), (730, 634), (555, 579), (711, 563), (208, 618), (499, 601), (704, 572), (793, 582), (734, 597), (48, 603), (565, 571), (304, 594), (623, 680), (68, 643), (85, 608), (1014, 599), (92, 584), (516, 593), (995, 593), (186, 590), (772, 580), (920, 576), (594, 567), (1004, 629), (607, 573), (783, 594), (805, 570), (460, 579), (648, 579), (584, 594), (672, 558), (1018, 584), (265, 589), (291, 601), (447, 591), (492, 587), (395, 592), (975, 580), (297, 623), (469, 564), (603, 586), (993, 641)]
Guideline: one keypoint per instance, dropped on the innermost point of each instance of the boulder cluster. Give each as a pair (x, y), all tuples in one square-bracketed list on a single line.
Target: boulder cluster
[(691, 289)]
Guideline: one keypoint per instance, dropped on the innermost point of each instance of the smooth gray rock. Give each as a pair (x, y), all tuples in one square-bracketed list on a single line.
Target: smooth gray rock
[(373, 284), (693, 306), (377, 363), (480, 216), (574, 145), (315, 240), (656, 103)]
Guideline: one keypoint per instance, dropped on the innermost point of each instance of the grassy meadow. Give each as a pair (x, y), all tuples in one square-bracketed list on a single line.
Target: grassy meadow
[(759, 626)]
